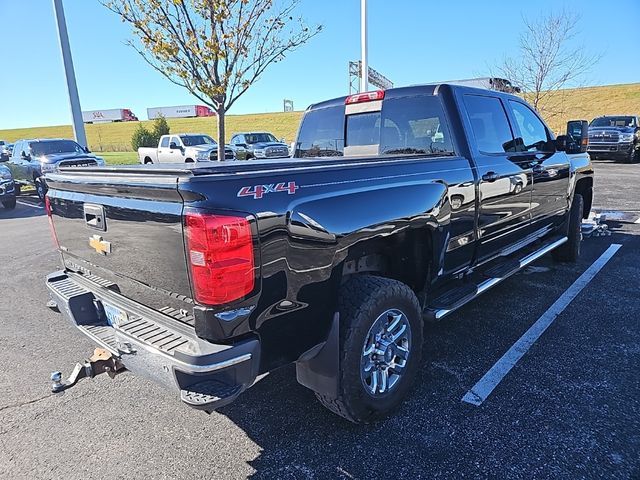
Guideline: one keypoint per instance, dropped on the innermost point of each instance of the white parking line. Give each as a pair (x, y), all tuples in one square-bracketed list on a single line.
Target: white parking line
[(481, 390), (637, 221), (40, 207)]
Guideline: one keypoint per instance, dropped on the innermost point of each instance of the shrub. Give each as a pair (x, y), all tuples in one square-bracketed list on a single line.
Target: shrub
[(142, 138), (160, 127)]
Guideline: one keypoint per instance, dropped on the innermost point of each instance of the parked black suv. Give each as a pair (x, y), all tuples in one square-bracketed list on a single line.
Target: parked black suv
[(7, 188), (615, 137), (259, 145), (31, 159)]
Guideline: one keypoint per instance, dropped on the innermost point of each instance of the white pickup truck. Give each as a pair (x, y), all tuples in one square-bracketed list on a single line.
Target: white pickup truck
[(184, 147)]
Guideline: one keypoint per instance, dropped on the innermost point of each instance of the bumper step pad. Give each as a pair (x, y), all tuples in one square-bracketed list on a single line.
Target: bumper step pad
[(209, 394)]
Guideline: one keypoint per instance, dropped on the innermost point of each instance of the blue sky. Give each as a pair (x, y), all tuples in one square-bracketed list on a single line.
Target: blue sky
[(411, 41)]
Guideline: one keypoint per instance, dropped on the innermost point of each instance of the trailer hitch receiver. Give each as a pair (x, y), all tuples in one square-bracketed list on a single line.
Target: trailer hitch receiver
[(100, 362)]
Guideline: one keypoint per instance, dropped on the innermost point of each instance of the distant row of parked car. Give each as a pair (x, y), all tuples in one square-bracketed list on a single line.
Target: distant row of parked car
[(27, 161), (198, 147)]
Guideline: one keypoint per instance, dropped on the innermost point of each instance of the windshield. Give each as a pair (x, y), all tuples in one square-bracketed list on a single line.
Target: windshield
[(613, 122), (193, 140), (55, 146), (251, 138)]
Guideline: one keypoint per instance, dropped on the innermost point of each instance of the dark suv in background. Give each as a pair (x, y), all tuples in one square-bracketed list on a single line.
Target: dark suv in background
[(7, 188), (615, 137), (31, 159), (259, 145)]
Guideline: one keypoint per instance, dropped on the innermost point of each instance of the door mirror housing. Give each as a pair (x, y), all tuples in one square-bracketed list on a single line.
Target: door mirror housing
[(173, 146), (578, 132), (86, 150), (562, 142), (25, 156)]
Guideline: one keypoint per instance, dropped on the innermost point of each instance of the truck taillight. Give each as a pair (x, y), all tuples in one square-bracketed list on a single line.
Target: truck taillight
[(47, 207), (365, 97), (220, 256)]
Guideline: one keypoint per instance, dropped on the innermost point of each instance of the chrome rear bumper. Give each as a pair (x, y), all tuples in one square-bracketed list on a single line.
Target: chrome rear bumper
[(156, 346)]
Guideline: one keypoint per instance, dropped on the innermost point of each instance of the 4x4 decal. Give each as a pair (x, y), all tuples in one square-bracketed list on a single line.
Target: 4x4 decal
[(258, 191)]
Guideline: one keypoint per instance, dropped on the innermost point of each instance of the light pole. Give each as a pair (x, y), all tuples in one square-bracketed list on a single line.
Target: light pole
[(364, 74), (74, 101)]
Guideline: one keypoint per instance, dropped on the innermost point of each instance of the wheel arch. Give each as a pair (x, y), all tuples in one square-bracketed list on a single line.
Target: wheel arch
[(584, 187)]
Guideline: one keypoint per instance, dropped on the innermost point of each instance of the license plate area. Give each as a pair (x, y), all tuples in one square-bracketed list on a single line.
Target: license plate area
[(115, 316)]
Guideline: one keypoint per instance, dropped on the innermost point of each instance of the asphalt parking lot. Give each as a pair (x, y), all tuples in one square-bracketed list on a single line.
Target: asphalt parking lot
[(570, 408)]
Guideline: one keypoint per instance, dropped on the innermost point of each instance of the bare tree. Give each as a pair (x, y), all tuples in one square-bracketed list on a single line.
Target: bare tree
[(549, 60), (216, 49)]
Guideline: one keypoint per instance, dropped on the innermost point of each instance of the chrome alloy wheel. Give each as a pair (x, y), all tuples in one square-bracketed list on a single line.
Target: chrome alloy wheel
[(385, 352)]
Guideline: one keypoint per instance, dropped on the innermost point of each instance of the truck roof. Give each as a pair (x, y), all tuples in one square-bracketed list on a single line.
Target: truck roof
[(427, 89)]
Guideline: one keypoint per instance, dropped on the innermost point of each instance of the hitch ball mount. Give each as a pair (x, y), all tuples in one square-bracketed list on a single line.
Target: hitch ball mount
[(100, 362)]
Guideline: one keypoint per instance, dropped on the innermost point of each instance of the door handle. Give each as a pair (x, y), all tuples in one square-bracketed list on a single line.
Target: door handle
[(490, 177)]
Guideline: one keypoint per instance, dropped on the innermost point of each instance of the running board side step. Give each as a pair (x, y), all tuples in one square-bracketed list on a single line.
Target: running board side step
[(498, 275)]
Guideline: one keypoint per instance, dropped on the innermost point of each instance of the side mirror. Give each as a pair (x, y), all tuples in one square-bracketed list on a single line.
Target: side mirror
[(173, 146), (562, 143), (578, 131), (282, 140), (86, 150), (25, 156)]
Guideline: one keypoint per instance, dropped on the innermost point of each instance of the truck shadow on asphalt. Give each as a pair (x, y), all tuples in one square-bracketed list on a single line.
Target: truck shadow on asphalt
[(433, 431), (27, 206)]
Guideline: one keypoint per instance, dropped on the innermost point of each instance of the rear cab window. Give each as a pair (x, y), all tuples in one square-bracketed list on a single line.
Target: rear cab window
[(405, 125)]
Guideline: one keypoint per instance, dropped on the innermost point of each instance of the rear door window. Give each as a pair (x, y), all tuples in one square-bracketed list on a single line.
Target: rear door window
[(489, 124)]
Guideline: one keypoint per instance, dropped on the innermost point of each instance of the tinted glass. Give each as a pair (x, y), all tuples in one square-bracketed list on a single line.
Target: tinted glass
[(363, 129), (532, 130), (191, 140), (489, 124), (322, 133), (414, 125), (613, 122), (259, 138), (49, 147), (164, 143)]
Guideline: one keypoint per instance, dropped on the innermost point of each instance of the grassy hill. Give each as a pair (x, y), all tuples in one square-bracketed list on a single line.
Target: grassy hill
[(581, 103), (590, 102)]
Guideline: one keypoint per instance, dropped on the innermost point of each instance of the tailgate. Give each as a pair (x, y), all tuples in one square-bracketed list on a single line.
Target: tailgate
[(124, 231)]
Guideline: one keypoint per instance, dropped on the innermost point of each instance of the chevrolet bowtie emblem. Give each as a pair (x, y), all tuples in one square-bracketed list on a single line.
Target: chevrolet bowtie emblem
[(99, 245)]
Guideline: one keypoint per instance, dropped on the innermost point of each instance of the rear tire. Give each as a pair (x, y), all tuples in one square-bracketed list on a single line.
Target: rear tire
[(9, 204), (371, 306), (570, 250)]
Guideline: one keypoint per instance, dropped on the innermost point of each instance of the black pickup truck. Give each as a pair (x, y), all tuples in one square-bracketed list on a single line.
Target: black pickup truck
[(615, 137), (207, 277)]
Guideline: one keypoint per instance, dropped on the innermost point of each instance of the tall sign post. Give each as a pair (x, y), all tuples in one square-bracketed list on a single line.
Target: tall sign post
[(74, 101), (364, 78)]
